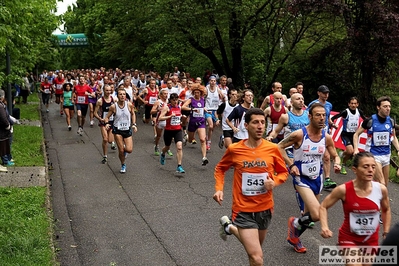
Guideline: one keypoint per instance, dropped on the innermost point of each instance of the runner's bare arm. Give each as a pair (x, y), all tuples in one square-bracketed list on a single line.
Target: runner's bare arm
[(337, 194), (99, 103)]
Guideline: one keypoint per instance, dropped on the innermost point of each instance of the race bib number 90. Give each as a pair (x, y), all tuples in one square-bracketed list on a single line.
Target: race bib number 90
[(311, 170), (254, 183)]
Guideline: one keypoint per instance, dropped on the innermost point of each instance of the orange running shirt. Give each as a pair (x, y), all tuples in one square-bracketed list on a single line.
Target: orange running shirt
[(251, 167)]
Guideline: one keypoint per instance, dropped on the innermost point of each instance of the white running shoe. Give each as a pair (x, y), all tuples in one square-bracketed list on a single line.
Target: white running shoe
[(224, 222)]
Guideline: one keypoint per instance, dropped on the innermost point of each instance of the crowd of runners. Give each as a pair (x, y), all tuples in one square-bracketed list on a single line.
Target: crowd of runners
[(263, 144)]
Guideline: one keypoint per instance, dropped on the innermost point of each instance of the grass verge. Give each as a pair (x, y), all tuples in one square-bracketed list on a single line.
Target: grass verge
[(27, 146), (25, 220), (24, 227), (27, 140)]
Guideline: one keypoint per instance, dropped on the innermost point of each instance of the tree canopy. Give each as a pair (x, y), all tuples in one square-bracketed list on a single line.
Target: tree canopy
[(349, 45), (25, 33)]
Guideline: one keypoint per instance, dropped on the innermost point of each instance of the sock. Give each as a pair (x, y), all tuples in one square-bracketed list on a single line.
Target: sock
[(304, 221), (227, 228), (178, 165)]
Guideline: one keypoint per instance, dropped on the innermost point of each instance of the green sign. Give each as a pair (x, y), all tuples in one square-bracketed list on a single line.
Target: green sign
[(72, 40)]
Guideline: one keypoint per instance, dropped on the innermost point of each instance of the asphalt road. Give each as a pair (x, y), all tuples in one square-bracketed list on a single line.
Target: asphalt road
[(151, 216)]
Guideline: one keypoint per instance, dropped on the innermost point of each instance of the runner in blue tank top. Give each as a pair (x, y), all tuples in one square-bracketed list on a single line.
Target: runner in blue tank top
[(380, 134), (310, 144)]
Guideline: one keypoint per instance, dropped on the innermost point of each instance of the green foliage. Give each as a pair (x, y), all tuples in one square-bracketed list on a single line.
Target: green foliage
[(261, 41), (24, 227), (25, 33)]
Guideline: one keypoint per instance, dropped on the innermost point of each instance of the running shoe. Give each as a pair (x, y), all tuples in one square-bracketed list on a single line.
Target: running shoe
[(61, 113), (143, 118), (299, 247), (310, 225), (47, 110), (80, 131), (224, 222), (3, 168), (125, 154), (180, 170), (293, 232), (169, 153), (91, 123), (205, 161), (123, 169), (185, 139), (69, 128), (328, 184), (105, 159), (221, 142), (10, 163), (113, 145), (156, 148), (193, 141), (343, 170), (162, 160), (208, 146)]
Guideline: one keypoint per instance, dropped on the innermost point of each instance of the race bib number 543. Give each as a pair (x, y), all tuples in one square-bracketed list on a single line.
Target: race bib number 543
[(254, 183)]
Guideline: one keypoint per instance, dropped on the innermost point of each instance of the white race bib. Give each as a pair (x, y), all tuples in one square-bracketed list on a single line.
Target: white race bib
[(311, 170), (352, 124), (175, 120), (214, 104), (274, 127), (254, 183), (364, 224), (123, 125), (152, 100), (81, 99), (381, 138), (198, 112), (46, 91), (111, 118)]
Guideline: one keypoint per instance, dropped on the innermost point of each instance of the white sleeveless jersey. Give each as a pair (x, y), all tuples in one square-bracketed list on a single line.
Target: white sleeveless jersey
[(309, 156), (212, 99), (226, 112)]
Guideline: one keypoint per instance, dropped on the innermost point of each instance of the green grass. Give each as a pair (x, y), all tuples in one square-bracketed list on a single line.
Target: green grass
[(24, 224), (30, 111), (26, 146), (27, 140)]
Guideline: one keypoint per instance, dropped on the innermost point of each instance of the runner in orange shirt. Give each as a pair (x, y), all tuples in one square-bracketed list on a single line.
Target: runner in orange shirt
[(258, 168)]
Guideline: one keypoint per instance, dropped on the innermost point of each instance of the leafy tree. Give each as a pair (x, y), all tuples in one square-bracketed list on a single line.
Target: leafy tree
[(372, 38), (25, 33)]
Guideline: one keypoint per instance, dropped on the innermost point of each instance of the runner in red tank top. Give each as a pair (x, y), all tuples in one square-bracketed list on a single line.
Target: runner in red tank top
[(171, 113), (273, 114), (362, 201)]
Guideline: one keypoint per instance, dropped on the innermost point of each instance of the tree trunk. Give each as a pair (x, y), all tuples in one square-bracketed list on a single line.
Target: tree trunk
[(366, 99)]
